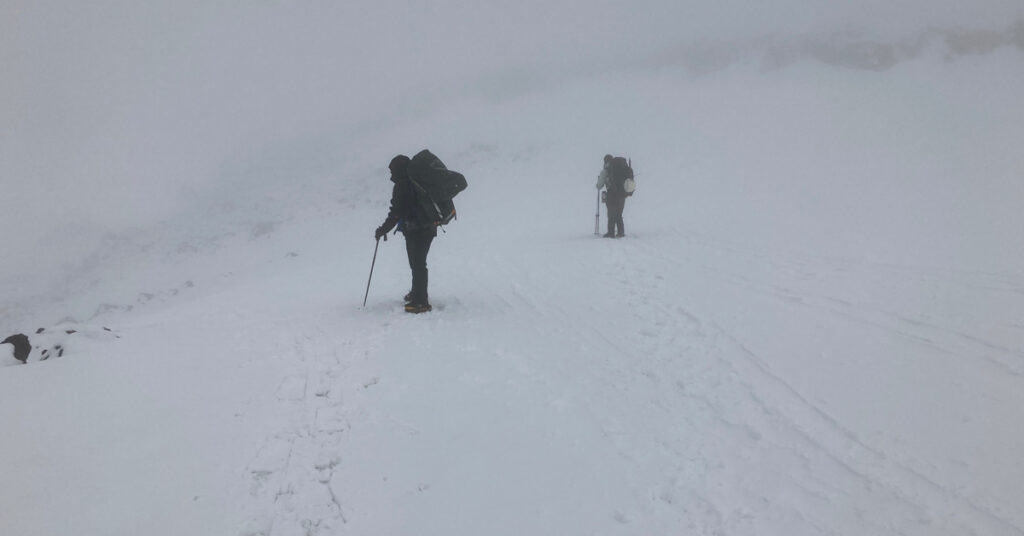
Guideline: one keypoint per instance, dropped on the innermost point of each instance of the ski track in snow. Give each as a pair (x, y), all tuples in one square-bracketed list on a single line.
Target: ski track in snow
[(823, 443), (728, 384), (705, 429)]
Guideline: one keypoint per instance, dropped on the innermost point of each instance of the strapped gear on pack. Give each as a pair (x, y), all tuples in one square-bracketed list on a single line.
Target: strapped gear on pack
[(435, 185)]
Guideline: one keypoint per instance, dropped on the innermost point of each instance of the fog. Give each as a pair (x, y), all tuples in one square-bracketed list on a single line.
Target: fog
[(121, 113)]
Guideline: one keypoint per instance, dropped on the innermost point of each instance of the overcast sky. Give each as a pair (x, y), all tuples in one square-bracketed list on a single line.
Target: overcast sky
[(109, 108)]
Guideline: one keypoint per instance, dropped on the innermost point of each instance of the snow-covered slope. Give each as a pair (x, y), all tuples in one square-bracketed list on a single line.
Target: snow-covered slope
[(813, 327)]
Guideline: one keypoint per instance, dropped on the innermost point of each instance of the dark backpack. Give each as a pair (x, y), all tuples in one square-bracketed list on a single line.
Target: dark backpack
[(435, 186), (620, 171)]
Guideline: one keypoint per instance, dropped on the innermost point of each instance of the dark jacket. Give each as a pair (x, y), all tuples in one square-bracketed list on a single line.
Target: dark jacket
[(405, 211)]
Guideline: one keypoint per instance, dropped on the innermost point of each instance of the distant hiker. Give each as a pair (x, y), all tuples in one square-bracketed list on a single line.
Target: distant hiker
[(421, 200), (613, 178)]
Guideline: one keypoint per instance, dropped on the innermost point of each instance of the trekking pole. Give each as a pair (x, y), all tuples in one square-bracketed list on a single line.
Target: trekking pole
[(371, 269), (597, 214)]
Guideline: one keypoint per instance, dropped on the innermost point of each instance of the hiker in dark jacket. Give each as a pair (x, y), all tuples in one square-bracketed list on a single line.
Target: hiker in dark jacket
[(419, 232), (614, 198)]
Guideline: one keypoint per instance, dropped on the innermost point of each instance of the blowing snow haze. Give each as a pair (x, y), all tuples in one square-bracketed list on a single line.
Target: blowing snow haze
[(118, 114), (811, 326)]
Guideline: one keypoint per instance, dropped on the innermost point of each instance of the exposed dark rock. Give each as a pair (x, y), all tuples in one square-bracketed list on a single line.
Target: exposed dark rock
[(22, 346), (54, 341), (972, 43), (864, 55), (848, 48)]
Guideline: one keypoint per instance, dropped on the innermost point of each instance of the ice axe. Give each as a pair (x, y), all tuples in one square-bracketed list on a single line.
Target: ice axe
[(371, 268)]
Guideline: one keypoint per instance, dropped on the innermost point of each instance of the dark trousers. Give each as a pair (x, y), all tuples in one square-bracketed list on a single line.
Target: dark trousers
[(417, 245), (616, 203)]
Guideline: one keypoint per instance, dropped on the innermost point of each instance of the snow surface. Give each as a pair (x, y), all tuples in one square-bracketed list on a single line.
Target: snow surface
[(814, 326)]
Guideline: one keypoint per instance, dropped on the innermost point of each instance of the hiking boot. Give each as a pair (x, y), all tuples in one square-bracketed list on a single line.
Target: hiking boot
[(620, 235), (417, 307), (608, 235)]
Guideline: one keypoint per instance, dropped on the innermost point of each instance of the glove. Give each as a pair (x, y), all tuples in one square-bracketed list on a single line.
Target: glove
[(380, 232)]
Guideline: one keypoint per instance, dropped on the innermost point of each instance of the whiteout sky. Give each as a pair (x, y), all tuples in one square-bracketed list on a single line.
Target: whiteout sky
[(112, 110)]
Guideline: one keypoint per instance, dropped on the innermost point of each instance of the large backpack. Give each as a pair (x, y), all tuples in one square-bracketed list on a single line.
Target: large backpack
[(622, 176), (435, 186)]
